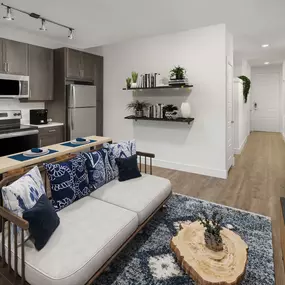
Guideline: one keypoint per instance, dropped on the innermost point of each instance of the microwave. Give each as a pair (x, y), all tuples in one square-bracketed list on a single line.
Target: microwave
[(14, 86)]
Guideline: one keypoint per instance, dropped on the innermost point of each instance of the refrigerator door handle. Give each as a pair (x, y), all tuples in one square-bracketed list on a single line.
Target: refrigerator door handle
[(72, 119)]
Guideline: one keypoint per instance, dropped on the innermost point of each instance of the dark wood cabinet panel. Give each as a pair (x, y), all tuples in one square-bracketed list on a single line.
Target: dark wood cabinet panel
[(50, 135), (74, 67), (88, 64), (41, 73), (2, 65), (15, 57)]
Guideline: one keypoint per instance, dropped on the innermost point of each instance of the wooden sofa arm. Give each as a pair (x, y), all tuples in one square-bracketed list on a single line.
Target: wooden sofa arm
[(16, 220), (146, 155)]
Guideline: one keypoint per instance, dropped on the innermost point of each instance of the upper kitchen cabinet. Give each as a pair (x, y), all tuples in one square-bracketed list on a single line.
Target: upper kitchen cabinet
[(2, 65), (15, 57), (88, 63), (73, 64), (79, 65), (41, 73)]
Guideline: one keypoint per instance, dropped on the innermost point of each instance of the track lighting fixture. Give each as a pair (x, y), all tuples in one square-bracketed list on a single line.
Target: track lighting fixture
[(37, 16), (70, 34), (43, 27), (8, 17)]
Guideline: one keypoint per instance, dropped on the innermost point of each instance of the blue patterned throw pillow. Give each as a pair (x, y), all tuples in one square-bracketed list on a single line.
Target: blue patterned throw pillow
[(23, 194), (69, 181), (99, 168), (120, 150)]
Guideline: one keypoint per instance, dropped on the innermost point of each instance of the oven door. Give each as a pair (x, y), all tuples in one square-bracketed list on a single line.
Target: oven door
[(14, 86)]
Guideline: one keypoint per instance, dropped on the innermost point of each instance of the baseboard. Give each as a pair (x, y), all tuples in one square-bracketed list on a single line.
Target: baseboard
[(240, 149), (191, 168)]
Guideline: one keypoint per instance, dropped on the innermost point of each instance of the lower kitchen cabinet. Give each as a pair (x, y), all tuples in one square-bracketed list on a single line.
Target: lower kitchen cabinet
[(50, 135)]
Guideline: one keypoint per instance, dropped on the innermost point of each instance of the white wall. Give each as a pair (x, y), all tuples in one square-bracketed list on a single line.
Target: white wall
[(273, 69), (14, 104), (283, 99), (199, 148)]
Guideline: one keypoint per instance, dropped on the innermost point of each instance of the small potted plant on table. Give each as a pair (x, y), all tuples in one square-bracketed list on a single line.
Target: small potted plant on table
[(178, 73), (138, 107), (213, 239)]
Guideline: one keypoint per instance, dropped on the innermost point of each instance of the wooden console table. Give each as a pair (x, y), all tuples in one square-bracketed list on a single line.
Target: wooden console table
[(9, 164)]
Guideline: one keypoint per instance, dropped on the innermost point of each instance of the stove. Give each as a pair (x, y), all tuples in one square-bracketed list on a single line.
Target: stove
[(15, 137)]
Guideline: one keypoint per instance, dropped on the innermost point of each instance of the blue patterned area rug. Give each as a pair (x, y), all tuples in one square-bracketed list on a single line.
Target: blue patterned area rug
[(148, 259)]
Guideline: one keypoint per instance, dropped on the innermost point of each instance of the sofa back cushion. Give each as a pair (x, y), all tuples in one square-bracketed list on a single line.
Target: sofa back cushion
[(69, 181), (123, 149)]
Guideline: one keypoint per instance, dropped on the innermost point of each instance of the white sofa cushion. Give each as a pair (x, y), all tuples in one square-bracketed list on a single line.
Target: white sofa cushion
[(141, 195), (89, 233)]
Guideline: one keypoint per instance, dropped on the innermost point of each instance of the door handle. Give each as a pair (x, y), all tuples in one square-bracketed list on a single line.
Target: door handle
[(255, 106), (52, 131)]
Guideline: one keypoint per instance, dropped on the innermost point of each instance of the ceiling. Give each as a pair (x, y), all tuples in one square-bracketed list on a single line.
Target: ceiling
[(99, 22)]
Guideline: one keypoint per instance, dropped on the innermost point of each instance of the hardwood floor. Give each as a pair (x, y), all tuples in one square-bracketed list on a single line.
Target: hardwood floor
[(255, 184)]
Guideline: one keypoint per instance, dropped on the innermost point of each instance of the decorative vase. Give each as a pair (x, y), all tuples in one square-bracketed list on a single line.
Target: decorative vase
[(134, 85), (139, 113), (212, 242), (168, 115), (185, 110)]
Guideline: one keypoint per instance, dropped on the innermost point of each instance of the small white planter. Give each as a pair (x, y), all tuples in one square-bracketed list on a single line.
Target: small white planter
[(134, 85), (185, 110)]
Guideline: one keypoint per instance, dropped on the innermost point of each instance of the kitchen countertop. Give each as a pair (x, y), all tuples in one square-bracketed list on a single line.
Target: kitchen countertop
[(8, 164), (48, 125)]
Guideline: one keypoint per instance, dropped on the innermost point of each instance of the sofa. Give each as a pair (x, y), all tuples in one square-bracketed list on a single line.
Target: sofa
[(92, 231)]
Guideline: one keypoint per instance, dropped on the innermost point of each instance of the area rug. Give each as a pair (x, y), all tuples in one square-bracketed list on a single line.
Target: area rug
[(148, 259)]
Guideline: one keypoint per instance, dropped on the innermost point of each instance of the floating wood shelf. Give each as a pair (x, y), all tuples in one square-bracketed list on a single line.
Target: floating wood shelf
[(180, 120), (159, 87)]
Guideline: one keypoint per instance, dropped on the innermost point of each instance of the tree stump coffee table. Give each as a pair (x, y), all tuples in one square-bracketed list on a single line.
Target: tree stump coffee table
[(207, 267)]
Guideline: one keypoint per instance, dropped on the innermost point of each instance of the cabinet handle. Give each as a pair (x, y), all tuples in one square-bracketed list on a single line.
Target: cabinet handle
[(52, 131), (7, 66), (40, 142)]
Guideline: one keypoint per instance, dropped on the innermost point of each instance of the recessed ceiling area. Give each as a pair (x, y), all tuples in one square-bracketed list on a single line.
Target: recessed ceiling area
[(253, 23)]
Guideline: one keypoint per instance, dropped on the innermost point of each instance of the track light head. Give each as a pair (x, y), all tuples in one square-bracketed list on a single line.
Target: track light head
[(70, 34), (8, 17), (43, 27)]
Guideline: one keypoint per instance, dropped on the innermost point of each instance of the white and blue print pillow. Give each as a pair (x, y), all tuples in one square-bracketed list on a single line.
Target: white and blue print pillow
[(68, 180), (119, 150), (24, 193)]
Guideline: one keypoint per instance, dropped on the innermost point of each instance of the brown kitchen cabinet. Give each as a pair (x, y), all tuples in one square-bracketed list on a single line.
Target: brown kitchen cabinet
[(41, 73), (79, 65), (50, 135), (14, 57)]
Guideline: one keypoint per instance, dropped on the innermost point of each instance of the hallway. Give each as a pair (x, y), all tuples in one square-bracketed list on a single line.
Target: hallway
[(255, 184)]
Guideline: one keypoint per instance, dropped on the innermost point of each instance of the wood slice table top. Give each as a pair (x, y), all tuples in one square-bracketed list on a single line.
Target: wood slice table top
[(207, 267)]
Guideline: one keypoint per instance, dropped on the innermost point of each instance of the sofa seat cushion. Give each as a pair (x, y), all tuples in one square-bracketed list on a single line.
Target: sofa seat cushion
[(141, 195), (89, 233)]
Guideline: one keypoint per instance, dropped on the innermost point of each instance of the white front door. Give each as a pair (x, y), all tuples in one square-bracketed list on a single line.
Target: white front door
[(265, 102), (230, 131)]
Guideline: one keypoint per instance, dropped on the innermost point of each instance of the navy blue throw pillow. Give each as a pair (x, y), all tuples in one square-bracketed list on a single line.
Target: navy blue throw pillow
[(43, 220), (68, 180), (128, 168)]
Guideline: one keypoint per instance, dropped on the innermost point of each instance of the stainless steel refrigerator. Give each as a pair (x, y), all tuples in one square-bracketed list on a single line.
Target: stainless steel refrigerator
[(81, 106)]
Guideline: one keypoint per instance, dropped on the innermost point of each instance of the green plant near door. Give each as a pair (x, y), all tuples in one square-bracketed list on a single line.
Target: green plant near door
[(246, 86)]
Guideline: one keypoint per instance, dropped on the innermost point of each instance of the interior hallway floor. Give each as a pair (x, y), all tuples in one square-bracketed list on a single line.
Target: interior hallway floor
[(255, 184)]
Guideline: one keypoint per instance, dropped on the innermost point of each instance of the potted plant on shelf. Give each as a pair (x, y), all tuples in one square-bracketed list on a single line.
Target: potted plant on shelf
[(128, 81), (178, 73), (170, 111), (213, 239), (135, 79), (138, 107)]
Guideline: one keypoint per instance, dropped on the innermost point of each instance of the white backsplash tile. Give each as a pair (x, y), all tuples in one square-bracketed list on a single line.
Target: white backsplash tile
[(14, 104)]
